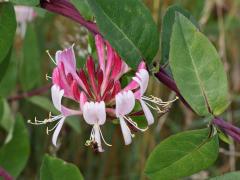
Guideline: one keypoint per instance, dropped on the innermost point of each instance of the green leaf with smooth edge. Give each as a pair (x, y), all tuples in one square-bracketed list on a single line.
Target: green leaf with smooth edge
[(167, 26), (4, 64), (182, 154), (56, 169), (228, 176), (6, 118), (83, 8), (197, 69), (129, 27), (9, 80), (14, 154), (7, 28), (30, 67), (26, 2), (44, 103)]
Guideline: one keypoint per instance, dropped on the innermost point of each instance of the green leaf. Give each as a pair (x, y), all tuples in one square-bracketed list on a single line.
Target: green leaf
[(56, 169), (182, 154), (228, 176), (7, 28), (6, 118), (14, 154), (4, 64), (197, 69), (167, 26), (129, 27), (8, 82), (30, 67), (83, 7), (26, 2), (44, 103)]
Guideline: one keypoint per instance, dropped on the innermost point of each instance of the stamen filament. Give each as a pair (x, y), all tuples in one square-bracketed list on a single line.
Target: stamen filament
[(47, 51)]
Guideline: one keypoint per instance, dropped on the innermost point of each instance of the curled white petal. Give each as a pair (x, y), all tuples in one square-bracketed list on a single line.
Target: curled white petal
[(94, 113), (144, 79), (147, 112), (57, 95), (125, 102), (127, 136), (57, 131)]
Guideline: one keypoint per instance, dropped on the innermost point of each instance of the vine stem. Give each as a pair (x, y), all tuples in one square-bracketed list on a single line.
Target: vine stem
[(34, 92), (5, 174), (65, 8)]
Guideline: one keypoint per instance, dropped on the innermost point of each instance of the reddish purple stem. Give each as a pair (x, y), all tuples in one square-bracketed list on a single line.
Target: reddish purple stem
[(65, 8), (5, 174)]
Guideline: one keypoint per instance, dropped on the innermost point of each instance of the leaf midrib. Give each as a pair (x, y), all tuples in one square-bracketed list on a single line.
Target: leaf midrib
[(202, 88)]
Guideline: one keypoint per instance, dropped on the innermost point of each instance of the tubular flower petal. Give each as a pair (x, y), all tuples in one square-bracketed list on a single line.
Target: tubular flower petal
[(98, 91)]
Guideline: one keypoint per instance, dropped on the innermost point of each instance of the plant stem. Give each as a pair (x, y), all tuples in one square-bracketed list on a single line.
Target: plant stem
[(65, 8), (34, 92), (5, 174)]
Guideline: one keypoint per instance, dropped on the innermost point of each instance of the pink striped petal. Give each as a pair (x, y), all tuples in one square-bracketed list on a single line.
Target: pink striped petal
[(100, 50), (67, 57)]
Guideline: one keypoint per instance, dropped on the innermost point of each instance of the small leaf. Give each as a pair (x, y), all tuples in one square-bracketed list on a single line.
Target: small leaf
[(14, 154), (129, 27), (30, 67), (56, 169), (167, 26), (182, 155), (7, 28), (26, 2), (83, 8), (228, 176), (197, 69)]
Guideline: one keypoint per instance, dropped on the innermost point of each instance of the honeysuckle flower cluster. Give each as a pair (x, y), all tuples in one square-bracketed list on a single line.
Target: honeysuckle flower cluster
[(98, 90), (24, 15)]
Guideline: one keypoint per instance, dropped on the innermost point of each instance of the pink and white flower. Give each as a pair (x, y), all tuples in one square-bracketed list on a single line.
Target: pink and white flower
[(98, 91), (24, 15)]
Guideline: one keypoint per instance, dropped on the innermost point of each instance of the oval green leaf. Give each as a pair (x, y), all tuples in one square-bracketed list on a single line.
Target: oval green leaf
[(197, 69), (7, 28), (56, 169), (228, 176), (182, 155), (129, 27), (15, 153)]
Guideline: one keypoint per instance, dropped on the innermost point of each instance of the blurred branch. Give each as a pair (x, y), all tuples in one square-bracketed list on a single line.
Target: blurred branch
[(5, 174), (229, 153), (65, 8), (34, 92)]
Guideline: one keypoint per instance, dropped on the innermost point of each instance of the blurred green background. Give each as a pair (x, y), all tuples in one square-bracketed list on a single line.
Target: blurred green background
[(218, 19)]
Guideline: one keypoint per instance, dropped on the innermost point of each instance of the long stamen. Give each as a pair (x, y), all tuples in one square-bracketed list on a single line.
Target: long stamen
[(103, 137), (47, 51), (134, 124), (54, 127)]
